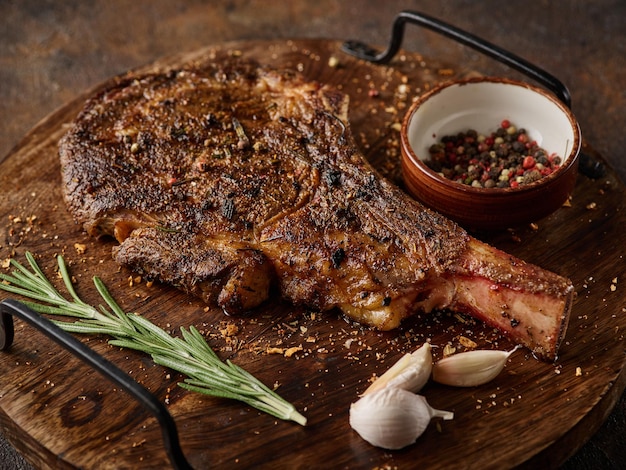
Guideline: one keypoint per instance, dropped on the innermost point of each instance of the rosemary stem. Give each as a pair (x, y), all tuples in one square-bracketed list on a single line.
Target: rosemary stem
[(189, 354)]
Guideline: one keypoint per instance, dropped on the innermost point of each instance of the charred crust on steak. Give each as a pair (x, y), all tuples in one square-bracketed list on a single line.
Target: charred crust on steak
[(165, 150), (226, 178)]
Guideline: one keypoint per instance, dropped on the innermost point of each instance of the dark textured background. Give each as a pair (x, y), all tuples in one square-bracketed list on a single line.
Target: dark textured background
[(50, 51)]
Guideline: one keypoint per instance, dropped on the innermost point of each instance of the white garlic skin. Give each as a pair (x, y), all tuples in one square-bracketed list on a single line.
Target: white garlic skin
[(392, 418), (410, 372), (471, 368)]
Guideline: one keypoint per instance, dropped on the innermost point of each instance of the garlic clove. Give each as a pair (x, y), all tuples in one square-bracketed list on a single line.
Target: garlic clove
[(393, 418), (471, 368), (410, 372)]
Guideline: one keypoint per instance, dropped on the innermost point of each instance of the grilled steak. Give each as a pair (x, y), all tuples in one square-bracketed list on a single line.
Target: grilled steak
[(230, 178)]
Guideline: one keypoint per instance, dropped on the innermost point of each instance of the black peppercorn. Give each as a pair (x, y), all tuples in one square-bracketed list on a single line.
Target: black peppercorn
[(505, 158)]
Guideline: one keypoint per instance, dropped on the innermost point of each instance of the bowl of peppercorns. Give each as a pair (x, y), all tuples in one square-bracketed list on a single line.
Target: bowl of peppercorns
[(490, 153)]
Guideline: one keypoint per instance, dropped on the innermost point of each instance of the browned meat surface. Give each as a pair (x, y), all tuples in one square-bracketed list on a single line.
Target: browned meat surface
[(227, 179)]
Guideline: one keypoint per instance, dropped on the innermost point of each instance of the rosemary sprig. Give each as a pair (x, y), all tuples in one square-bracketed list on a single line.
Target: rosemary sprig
[(189, 354)]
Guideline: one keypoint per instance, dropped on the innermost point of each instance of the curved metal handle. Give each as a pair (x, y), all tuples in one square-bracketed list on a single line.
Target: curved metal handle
[(365, 52), (10, 307), (589, 166)]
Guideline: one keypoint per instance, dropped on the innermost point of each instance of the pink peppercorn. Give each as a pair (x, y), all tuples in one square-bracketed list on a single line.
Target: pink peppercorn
[(528, 163), (504, 158)]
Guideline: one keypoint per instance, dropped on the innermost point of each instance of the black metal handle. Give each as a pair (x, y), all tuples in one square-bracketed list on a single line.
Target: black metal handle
[(10, 307), (589, 166), (365, 52)]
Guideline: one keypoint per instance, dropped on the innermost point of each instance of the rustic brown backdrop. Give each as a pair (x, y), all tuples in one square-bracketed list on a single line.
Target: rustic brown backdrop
[(50, 51)]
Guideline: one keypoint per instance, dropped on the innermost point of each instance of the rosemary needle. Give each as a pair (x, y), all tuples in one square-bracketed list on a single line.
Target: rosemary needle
[(189, 354)]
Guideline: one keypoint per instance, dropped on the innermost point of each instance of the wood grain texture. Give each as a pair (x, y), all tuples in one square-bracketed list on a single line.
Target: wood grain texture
[(60, 414)]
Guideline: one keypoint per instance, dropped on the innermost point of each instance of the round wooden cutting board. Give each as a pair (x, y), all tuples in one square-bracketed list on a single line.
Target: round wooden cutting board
[(61, 414)]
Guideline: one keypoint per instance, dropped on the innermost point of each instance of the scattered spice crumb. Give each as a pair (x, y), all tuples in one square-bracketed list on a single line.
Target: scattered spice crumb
[(591, 206), (230, 329), (468, 343), (291, 351), (448, 350), (579, 372), (139, 444)]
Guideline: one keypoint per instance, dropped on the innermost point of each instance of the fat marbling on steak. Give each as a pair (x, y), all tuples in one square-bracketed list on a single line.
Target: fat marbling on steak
[(229, 178)]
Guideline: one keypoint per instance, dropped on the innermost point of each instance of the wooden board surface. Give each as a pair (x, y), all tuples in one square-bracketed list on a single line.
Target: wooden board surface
[(60, 414)]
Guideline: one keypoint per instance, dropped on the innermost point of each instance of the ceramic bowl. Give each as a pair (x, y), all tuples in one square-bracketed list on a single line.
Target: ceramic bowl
[(482, 104)]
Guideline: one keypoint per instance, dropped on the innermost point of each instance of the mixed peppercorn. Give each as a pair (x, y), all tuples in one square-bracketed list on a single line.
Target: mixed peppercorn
[(507, 158)]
